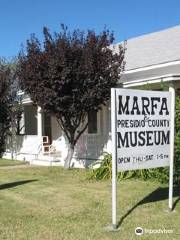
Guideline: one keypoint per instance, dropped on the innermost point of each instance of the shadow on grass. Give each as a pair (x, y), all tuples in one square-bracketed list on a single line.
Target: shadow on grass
[(14, 184), (158, 195)]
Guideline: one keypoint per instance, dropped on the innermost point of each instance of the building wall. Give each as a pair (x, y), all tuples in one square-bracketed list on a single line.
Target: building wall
[(55, 129)]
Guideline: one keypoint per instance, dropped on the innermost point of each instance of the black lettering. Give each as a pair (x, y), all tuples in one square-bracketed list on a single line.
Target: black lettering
[(123, 142), (123, 108), (164, 107), (145, 105), (153, 105), (135, 106), (157, 137), (149, 138), (142, 140), (165, 137), (133, 139)]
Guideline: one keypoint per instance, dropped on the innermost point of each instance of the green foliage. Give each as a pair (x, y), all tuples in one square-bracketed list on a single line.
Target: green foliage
[(177, 143), (5, 103), (105, 169), (10, 109)]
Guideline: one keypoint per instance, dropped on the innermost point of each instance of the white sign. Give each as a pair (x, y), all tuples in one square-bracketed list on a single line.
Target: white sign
[(142, 125), (142, 129)]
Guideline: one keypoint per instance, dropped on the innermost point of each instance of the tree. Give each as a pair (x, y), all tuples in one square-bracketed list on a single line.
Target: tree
[(5, 103), (10, 107), (177, 142), (70, 75), (15, 109)]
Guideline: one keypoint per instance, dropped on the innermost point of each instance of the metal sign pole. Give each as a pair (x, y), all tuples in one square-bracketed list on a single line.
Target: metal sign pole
[(114, 157), (172, 91)]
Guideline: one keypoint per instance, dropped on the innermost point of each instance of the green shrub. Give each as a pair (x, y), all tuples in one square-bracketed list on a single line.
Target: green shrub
[(177, 143), (104, 171), (5, 104)]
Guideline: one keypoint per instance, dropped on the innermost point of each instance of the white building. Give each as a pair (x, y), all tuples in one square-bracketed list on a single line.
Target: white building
[(151, 60)]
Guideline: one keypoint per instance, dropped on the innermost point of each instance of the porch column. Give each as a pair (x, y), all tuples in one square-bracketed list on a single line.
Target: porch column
[(39, 122)]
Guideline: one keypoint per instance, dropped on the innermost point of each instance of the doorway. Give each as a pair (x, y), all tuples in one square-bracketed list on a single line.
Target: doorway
[(47, 126)]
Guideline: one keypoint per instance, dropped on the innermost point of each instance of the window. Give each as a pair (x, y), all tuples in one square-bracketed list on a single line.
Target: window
[(20, 129), (30, 119), (92, 122)]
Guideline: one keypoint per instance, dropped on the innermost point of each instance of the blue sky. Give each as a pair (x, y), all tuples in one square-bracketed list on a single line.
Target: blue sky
[(127, 18)]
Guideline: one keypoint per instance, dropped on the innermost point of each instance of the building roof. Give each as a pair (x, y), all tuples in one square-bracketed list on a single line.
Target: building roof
[(154, 48), (153, 57)]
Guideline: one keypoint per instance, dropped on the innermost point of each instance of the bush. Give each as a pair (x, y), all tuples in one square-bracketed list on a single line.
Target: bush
[(177, 143), (104, 171), (5, 104)]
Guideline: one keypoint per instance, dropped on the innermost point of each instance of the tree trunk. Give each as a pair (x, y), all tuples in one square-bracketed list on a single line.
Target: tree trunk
[(67, 162)]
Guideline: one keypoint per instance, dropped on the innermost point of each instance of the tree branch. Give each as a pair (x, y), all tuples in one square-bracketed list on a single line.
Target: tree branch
[(79, 133), (61, 124)]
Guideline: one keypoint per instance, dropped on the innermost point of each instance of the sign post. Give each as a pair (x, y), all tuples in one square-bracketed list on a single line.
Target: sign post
[(142, 125), (172, 91), (114, 157)]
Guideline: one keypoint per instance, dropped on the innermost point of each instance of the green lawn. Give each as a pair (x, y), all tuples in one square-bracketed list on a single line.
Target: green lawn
[(8, 162), (51, 203)]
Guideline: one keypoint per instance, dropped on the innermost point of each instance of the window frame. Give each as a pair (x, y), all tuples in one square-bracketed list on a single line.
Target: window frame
[(98, 126)]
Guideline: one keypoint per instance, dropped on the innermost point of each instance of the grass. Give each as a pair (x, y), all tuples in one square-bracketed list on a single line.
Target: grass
[(9, 162), (42, 203)]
